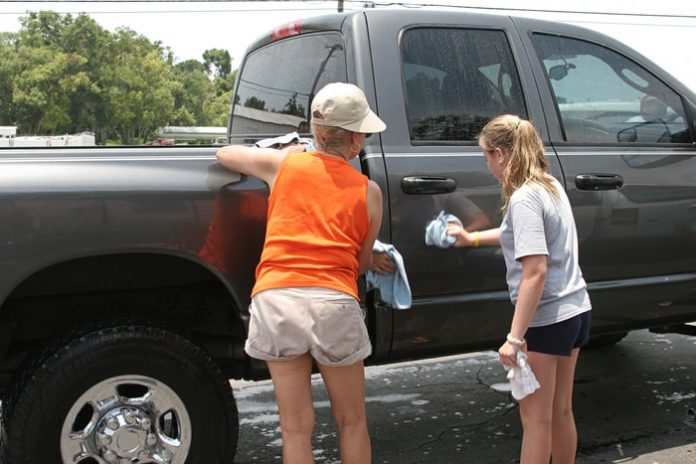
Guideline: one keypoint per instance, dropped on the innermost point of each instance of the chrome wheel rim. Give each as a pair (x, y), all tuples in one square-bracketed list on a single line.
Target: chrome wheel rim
[(127, 419)]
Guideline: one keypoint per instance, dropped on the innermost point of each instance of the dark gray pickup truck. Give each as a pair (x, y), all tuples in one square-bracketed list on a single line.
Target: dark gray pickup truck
[(125, 273)]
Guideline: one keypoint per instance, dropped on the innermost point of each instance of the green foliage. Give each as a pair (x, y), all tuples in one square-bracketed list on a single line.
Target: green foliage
[(292, 107), (192, 93), (8, 65), (217, 62), (253, 102), (67, 74)]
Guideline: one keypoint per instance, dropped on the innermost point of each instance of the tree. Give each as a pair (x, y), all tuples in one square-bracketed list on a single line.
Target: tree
[(217, 62), (64, 73), (42, 88), (218, 106), (53, 80), (43, 28), (84, 37), (192, 93), (292, 107), (253, 102), (8, 65), (139, 87), (44, 75)]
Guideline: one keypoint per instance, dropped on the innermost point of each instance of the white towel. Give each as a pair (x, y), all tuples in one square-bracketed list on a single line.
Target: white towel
[(522, 379), (282, 140)]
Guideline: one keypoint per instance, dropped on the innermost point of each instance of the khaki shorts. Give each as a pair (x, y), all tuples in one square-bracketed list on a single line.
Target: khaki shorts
[(289, 322)]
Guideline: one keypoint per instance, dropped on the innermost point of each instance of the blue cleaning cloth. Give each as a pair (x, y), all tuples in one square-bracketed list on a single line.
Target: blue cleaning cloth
[(393, 288), (436, 231), (281, 140)]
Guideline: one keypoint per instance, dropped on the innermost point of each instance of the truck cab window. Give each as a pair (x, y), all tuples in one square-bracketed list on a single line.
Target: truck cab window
[(630, 106), (456, 80), (278, 82)]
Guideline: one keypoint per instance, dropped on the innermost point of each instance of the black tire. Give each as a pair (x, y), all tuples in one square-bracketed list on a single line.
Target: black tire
[(165, 395)]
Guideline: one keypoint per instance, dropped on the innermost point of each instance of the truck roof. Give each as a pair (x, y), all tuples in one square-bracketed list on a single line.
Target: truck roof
[(335, 21)]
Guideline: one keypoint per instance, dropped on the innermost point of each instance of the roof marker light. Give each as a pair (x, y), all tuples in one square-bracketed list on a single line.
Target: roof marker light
[(287, 30)]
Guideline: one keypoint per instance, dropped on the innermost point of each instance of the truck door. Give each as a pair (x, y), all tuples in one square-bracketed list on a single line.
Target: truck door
[(621, 128), (438, 89)]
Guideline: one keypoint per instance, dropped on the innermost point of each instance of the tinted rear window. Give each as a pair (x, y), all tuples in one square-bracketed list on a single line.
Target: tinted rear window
[(278, 82)]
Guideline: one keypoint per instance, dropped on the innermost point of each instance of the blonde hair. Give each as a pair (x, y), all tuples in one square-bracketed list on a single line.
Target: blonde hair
[(331, 138), (527, 162)]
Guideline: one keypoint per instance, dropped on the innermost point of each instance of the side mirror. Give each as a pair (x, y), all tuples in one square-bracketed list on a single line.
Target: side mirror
[(653, 131), (560, 71), (628, 134)]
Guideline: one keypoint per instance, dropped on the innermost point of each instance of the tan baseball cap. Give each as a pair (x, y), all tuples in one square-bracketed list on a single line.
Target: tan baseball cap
[(344, 105)]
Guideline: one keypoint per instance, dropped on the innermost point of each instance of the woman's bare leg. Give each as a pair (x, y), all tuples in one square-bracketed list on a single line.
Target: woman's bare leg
[(565, 435), (536, 411), (293, 391), (346, 386)]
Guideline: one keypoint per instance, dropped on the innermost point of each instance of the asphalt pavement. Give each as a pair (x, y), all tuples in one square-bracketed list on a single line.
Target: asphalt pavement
[(635, 403)]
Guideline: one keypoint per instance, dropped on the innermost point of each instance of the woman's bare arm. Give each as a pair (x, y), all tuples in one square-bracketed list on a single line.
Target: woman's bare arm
[(374, 211), (534, 270), (263, 163), (466, 238)]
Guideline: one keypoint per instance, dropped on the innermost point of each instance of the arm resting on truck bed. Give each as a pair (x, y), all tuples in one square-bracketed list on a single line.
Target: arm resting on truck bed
[(263, 163)]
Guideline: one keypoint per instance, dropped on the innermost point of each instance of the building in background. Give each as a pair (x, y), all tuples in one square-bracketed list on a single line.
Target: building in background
[(9, 138), (171, 135)]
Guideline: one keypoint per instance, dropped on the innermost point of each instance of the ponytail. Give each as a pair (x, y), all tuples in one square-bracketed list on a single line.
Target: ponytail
[(527, 161)]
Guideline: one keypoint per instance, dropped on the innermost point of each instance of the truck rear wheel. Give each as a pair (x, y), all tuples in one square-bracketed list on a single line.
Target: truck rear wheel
[(124, 394)]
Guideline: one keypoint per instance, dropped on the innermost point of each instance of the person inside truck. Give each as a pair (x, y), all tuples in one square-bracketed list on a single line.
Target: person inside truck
[(552, 315), (651, 109), (323, 219), (303, 127)]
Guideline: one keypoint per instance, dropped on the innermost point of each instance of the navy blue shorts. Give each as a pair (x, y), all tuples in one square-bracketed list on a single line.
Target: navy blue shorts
[(560, 338)]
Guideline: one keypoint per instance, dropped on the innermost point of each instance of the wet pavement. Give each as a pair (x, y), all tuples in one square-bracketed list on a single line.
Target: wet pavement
[(634, 402)]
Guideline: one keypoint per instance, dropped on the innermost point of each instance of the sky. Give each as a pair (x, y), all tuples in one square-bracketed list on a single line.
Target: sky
[(664, 31)]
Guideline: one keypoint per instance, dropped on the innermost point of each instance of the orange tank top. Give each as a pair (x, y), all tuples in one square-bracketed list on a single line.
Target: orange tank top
[(317, 222)]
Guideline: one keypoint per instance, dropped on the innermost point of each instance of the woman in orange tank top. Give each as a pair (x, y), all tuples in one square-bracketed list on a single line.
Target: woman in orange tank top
[(323, 219)]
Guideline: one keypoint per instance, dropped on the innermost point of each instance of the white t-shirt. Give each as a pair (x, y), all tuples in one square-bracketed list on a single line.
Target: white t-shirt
[(536, 223)]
